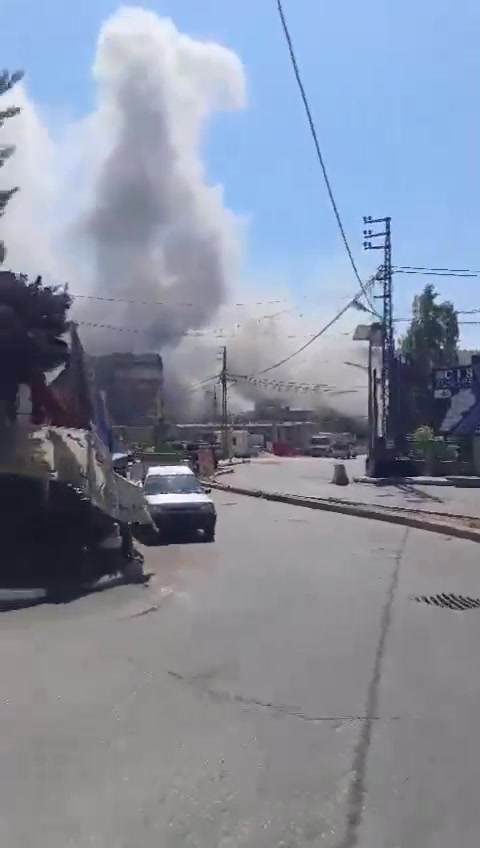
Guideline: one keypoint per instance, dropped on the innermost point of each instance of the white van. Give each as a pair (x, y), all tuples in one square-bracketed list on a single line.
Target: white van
[(178, 502)]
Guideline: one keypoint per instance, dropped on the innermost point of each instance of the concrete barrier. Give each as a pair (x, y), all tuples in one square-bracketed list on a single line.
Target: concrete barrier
[(340, 476), (357, 510)]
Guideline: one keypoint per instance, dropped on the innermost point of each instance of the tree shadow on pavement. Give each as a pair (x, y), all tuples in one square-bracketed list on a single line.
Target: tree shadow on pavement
[(410, 492)]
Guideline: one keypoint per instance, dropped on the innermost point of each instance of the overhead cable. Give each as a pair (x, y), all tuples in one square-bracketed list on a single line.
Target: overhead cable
[(320, 158)]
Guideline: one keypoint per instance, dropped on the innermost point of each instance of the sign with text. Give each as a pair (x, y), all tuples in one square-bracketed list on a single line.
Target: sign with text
[(456, 400)]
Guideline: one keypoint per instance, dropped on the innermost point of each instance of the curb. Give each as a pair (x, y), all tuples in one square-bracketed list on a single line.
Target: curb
[(399, 481), (454, 482), (231, 463), (358, 511)]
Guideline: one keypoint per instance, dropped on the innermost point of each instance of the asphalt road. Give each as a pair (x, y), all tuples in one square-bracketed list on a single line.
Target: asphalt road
[(312, 477), (279, 688)]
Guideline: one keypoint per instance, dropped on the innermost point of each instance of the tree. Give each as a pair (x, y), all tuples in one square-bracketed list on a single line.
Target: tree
[(431, 341), (39, 312), (7, 82), (33, 317)]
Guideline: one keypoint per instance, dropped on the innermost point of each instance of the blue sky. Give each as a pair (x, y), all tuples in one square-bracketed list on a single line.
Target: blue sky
[(394, 88)]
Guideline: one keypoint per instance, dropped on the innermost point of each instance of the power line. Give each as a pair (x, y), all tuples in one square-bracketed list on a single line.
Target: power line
[(423, 269), (431, 268), (364, 289), (354, 302), (194, 387), (282, 386), (316, 142), (461, 323), (174, 304), (214, 333), (432, 273), (190, 334)]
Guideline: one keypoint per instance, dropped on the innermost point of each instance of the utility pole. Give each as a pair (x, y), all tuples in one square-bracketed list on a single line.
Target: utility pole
[(215, 404), (388, 340), (224, 417)]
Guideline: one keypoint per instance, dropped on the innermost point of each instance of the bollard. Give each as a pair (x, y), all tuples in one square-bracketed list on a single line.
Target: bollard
[(340, 477)]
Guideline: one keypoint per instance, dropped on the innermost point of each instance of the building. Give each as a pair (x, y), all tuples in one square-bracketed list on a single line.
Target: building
[(277, 411), (133, 384), (464, 357)]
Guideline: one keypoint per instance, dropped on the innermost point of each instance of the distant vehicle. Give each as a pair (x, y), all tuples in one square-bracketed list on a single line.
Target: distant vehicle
[(320, 445), (241, 444), (256, 443), (339, 450), (178, 503), (343, 447)]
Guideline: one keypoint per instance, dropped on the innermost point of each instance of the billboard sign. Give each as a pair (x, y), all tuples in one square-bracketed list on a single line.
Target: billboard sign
[(456, 400)]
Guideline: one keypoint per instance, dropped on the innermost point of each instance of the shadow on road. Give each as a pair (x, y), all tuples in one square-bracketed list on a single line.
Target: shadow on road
[(18, 598), (167, 541), (408, 491)]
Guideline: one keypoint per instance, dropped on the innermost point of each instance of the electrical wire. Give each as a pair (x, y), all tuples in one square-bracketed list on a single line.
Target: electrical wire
[(422, 269), (174, 303), (461, 323), (283, 386), (313, 131), (353, 302), (214, 333), (436, 273), (364, 288), (191, 334), (194, 387)]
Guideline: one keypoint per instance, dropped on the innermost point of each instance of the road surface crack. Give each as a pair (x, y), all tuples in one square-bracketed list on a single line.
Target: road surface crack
[(146, 611), (223, 696), (357, 790)]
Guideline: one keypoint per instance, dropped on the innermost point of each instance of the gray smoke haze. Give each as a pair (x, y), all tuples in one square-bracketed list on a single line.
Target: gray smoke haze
[(144, 225), (159, 232)]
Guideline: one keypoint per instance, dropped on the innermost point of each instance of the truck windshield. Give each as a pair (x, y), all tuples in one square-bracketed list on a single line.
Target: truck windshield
[(175, 484), (320, 441)]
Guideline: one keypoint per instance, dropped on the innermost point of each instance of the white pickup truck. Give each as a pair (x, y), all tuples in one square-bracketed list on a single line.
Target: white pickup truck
[(178, 502)]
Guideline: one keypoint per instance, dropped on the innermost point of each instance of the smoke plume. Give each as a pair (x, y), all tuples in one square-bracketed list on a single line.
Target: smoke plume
[(119, 204)]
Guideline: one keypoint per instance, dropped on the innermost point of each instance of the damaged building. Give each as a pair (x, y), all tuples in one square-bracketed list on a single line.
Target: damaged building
[(133, 384)]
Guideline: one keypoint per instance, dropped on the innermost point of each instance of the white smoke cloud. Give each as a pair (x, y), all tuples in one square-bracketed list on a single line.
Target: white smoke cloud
[(120, 206)]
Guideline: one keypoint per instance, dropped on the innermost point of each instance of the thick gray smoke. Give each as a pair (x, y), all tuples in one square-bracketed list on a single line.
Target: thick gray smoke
[(159, 232), (139, 224)]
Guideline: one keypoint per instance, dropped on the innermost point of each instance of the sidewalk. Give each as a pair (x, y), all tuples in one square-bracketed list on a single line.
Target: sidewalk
[(457, 481), (307, 477)]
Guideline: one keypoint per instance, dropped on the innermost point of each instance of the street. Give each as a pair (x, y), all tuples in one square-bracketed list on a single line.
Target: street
[(311, 477), (280, 688)]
